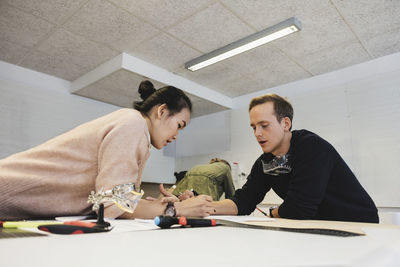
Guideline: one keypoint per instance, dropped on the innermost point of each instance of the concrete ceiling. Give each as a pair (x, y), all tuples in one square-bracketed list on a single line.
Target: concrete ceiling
[(71, 38)]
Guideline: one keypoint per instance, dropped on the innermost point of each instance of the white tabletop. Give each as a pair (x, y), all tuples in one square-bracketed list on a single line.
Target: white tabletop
[(209, 246)]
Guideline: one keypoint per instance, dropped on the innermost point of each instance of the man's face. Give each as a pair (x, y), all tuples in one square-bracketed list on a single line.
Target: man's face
[(268, 131)]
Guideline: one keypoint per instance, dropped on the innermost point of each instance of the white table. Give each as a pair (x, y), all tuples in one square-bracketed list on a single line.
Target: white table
[(211, 246)]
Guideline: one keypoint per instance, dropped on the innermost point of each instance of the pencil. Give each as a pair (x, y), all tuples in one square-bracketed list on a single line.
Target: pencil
[(25, 224), (261, 211)]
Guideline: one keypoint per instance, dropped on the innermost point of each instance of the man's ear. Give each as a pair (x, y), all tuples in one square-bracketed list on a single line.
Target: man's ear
[(162, 111), (287, 123)]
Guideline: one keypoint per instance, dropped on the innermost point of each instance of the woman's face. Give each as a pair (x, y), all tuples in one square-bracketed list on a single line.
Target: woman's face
[(165, 128)]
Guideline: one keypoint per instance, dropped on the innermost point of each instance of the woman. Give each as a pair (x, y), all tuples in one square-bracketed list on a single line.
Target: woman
[(56, 177)]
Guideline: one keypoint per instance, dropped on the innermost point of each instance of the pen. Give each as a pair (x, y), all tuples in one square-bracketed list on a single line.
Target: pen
[(25, 224), (79, 227), (71, 228), (168, 221), (196, 222), (262, 211)]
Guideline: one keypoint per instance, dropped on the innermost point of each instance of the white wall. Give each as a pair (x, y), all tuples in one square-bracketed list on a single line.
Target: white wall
[(35, 107), (357, 109), (202, 136), (159, 168)]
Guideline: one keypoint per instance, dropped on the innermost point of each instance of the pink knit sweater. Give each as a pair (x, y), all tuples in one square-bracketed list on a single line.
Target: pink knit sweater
[(56, 177)]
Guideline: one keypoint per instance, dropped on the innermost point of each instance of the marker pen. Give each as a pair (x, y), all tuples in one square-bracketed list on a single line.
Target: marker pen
[(26, 224)]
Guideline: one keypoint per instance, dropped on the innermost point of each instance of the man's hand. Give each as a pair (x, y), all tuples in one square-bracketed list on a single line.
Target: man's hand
[(185, 195), (168, 196), (200, 206)]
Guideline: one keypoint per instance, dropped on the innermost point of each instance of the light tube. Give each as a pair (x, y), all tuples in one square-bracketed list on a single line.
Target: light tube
[(265, 36)]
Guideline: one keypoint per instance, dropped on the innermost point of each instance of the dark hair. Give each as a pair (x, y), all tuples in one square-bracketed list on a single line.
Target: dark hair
[(179, 175), (282, 106), (220, 160), (174, 98)]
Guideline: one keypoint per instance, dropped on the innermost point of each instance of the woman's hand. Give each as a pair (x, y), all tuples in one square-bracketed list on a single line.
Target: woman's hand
[(200, 206)]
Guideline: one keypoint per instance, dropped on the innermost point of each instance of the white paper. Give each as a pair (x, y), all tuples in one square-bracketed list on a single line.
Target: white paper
[(73, 218), (242, 219), (129, 225)]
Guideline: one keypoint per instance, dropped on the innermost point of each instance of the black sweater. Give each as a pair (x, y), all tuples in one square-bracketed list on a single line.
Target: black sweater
[(320, 185)]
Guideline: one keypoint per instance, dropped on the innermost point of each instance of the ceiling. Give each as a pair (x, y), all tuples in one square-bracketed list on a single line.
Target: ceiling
[(70, 38)]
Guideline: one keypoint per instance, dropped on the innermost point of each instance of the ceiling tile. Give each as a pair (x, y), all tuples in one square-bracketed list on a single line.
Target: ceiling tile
[(51, 65), (257, 59), (68, 38), (204, 107), (103, 22), (384, 44), (280, 74), (194, 99), (372, 17), (21, 28), (121, 88), (322, 28), (67, 47), (11, 52), (210, 76), (165, 13), (55, 11), (211, 28), (165, 51), (262, 14), (241, 85), (319, 19), (334, 58)]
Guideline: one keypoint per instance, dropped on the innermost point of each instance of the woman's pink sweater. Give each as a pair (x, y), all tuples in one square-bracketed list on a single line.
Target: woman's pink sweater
[(56, 177)]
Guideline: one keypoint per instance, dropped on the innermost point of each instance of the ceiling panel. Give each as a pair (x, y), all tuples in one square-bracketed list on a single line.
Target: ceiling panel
[(165, 51), (121, 88), (211, 28), (323, 26), (55, 11), (69, 38), (334, 58), (21, 28), (54, 66), (372, 17), (280, 74), (163, 14), (210, 76), (67, 49), (239, 85), (11, 52), (103, 22), (384, 44), (204, 107), (254, 60)]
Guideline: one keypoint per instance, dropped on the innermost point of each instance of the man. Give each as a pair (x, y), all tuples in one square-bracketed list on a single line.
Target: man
[(211, 179), (302, 168)]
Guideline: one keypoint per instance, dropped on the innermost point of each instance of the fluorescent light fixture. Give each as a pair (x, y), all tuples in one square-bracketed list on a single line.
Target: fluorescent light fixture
[(259, 38)]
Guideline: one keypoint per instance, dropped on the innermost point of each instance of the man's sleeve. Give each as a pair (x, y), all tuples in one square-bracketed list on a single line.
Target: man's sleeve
[(311, 171), (252, 192)]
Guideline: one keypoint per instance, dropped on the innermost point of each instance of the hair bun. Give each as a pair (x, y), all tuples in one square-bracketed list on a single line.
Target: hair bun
[(146, 88)]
